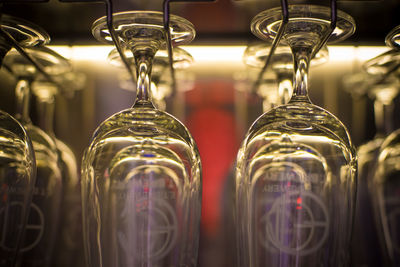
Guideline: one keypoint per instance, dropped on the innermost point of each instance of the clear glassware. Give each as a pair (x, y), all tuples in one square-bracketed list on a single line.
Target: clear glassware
[(141, 174), (366, 249), (17, 159), (24, 32), (43, 218), (386, 182), (393, 38), (69, 248), (161, 83), (296, 169), (282, 66), (386, 195)]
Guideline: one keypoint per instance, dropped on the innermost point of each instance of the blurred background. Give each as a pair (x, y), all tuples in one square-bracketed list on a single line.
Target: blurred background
[(214, 98)]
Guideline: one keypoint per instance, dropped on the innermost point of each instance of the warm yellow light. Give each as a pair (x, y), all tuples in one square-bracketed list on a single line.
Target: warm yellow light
[(84, 53), (220, 54)]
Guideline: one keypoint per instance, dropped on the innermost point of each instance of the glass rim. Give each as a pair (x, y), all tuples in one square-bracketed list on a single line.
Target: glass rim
[(176, 23), (52, 62), (253, 55), (301, 11), (392, 39), (377, 64), (182, 59), (33, 34)]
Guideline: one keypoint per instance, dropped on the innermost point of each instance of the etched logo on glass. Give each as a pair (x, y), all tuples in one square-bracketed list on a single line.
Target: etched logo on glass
[(34, 229), (297, 223), (156, 229)]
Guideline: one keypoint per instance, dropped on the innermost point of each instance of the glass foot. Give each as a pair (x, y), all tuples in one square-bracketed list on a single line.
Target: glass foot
[(52, 62), (134, 26), (282, 59), (24, 32), (306, 27), (393, 38)]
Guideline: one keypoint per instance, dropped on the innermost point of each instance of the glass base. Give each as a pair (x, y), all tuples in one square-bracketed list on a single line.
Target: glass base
[(381, 64), (182, 59), (282, 59), (52, 62), (393, 38), (24, 32), (136, 26), (307, 25)]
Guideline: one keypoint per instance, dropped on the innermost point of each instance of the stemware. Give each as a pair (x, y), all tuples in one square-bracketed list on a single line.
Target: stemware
[(386, 182), (296, 168), (366, 249), (17, 159), (161, 84), (387, 198), (45, 207), (141, 174), (282, 66), (68, 251), (393, 38)]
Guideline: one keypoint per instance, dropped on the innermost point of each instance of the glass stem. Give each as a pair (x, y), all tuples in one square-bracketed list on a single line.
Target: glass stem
[(383, 113), (45, 106), (22, 94), (301, 57), (144, 60)]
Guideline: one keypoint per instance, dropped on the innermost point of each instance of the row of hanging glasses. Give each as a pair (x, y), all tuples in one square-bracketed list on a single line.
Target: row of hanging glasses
[(47, 219), (296, 171), (378, 196)]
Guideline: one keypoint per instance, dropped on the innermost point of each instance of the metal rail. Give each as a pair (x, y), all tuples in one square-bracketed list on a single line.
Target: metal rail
[(166, 20), (110, 26), (278, 37), (275, 43), (114, 37), (28, 57)]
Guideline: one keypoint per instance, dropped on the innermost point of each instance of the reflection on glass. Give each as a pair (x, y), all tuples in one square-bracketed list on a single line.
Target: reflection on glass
[(43, 218), (141, 174), (17, 159), (366, 249), (69, 243), (161, 87), (386, 184), (296, 169), (281, 65), (17, 178)]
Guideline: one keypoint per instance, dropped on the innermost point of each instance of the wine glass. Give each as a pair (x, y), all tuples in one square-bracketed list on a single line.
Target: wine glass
[(296, 168), (141, 174), (386, 182), (17, 159), (366, 250), (393, 38), (43, 218), (282, 66), (161, 83), (386, 193), (69, 248)]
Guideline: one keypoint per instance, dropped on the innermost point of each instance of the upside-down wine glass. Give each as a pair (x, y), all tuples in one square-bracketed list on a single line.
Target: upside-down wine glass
[(160, 83), (43, 218), (296, 168), (69, 242), (17, 159), (141, 174), (281, 65), (368, 249), (386, 184)]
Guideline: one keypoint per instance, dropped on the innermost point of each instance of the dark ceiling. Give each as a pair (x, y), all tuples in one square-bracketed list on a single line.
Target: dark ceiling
[(223, 21)]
